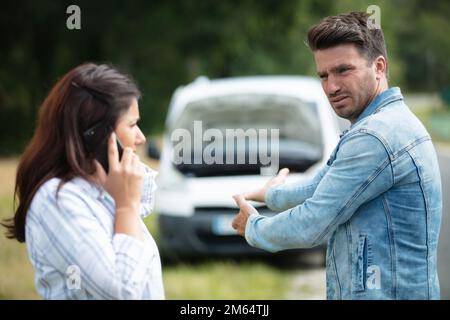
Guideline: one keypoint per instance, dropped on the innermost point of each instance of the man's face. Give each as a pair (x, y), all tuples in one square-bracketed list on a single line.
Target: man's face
[(347, 79)]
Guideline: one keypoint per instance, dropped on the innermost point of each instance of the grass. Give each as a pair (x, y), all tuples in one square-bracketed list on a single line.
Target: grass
[(16, 273), (221, 279), (226, 280)]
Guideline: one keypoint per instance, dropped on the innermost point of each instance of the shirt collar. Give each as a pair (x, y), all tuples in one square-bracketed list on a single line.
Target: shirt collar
[(380, 101)]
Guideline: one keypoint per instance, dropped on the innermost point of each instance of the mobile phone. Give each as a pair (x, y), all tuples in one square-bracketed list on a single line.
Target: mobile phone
[(96, 142)]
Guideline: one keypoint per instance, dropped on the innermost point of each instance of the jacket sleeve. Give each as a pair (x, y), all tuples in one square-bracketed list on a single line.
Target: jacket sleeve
[(286, 196), (360, 172)]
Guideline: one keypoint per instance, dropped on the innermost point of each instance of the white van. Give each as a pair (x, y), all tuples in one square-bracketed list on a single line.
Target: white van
[(194, 196)]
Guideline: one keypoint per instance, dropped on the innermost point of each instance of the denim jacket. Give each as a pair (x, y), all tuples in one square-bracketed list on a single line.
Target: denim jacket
[(378, 202)]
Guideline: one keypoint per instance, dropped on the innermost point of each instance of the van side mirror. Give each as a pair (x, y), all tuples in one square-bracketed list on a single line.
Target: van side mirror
[(153, 151)]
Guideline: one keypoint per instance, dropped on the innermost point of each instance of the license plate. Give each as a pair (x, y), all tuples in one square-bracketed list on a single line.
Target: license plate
[(221, 225)]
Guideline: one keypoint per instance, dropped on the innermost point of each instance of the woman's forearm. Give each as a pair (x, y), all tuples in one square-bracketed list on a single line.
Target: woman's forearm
[(128, 222)]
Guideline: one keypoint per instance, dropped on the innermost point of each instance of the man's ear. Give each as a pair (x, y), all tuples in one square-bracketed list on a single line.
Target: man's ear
[(380, 65)]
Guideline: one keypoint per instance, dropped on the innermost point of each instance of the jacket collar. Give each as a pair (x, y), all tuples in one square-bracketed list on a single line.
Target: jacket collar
[(380, 101)]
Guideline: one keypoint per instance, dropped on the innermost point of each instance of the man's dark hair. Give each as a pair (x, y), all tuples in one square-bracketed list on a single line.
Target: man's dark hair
[(351, 28)]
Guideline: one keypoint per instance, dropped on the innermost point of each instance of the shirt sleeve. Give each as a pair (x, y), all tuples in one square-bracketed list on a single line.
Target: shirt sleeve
[(360, 172), (286, 196), (112, 266), (148, 191)]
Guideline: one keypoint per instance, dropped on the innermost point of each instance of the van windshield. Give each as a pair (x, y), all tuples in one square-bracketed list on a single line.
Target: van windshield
[(207, 124)]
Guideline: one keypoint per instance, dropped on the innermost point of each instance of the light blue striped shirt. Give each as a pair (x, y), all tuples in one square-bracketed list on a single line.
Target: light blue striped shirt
[(76, 254)]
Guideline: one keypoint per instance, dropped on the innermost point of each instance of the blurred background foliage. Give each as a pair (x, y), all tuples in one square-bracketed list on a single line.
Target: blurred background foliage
[(165, 44)]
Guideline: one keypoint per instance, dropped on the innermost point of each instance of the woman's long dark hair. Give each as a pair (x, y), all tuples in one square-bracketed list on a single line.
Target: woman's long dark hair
[(85, 96)]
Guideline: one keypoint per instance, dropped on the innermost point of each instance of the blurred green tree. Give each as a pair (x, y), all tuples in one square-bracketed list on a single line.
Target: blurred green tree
[(165, 44)]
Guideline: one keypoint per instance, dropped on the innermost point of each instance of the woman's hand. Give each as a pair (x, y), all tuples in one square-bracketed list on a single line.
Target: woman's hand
[(124, 183), (124, 179), (260, 194)]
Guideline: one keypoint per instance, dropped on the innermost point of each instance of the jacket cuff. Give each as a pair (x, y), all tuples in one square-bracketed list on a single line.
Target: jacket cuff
[(270, 198), (250, 234)]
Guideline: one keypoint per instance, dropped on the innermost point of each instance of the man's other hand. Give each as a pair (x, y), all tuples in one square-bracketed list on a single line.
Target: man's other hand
[(245, 210), (260, 194)]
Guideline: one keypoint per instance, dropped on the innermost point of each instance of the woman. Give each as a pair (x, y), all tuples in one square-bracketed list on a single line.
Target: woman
[(83, 226)]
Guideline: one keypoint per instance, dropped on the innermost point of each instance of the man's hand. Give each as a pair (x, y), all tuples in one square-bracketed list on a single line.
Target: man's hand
[(245, 210), (260, 194)]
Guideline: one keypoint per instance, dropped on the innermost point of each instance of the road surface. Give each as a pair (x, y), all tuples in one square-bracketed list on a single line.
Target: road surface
[(444, 239)]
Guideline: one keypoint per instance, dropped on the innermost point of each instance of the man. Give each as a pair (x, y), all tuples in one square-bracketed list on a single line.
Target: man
[(378, 199)]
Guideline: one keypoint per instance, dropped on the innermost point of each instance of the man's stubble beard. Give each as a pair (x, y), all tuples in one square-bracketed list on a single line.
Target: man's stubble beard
[(355, 111)]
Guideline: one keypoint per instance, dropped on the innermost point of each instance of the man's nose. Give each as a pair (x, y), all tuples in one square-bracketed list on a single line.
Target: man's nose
[(332, 86)]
